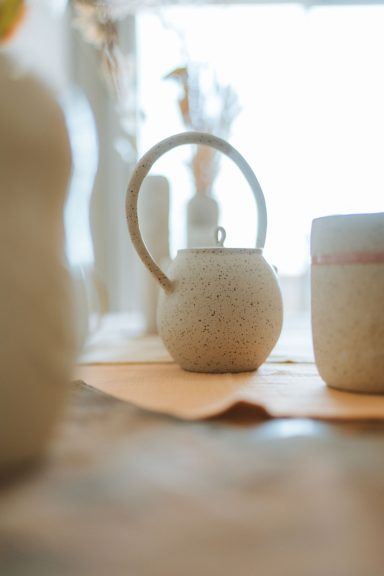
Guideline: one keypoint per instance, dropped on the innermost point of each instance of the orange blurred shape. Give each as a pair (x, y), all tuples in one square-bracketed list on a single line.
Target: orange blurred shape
[(12, 13)]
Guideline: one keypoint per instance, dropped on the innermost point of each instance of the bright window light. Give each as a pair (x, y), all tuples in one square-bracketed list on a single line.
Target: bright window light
[(311, 88)]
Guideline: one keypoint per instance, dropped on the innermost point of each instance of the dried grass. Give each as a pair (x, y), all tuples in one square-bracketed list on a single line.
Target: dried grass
[(205, 105)]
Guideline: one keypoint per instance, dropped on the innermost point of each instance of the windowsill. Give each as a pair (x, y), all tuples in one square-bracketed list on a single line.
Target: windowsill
[(120, 338)]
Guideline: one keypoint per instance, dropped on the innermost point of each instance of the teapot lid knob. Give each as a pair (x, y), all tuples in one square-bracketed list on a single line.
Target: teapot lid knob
[(220, 236)]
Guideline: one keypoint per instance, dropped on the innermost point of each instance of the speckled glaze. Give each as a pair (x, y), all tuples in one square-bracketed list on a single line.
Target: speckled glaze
[(220, 309), (348, 301), (225, 312)]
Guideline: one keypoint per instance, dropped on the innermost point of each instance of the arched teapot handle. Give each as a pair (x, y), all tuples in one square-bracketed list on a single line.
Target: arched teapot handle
[(145, 164)]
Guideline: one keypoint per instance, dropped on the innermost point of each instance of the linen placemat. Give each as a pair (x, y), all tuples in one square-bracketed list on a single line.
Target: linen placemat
[(285, 390), (139, 370)]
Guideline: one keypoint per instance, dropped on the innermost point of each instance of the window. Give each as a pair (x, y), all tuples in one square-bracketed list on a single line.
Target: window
[(311, 88)]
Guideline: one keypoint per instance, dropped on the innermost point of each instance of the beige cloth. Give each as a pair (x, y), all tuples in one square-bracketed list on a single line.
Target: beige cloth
[(152, 381)]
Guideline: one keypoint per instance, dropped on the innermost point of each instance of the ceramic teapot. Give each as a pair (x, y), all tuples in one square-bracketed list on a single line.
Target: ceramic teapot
[(220, 309)]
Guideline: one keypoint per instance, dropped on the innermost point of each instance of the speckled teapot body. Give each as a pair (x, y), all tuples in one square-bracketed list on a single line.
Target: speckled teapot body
[(220, 309)]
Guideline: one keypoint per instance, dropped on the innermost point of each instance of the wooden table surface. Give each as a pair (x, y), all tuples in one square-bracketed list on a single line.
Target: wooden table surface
[(126, 492)]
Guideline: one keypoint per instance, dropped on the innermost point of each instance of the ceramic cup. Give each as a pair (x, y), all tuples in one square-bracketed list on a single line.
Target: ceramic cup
[(347, 285)]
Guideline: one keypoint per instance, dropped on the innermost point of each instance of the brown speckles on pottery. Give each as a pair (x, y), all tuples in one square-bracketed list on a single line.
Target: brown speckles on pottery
[(348, 301), (221, 308), (224, 316)]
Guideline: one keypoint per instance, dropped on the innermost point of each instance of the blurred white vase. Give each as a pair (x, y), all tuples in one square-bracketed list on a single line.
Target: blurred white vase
[(202, 221), (153, 207), (79, 244)]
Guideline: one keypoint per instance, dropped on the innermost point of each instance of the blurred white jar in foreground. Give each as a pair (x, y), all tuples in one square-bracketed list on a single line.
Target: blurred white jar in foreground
[(348, 300), (37, 348)]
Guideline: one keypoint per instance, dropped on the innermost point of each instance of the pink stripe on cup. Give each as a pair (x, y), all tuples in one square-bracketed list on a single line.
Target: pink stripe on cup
[(349, 258)]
